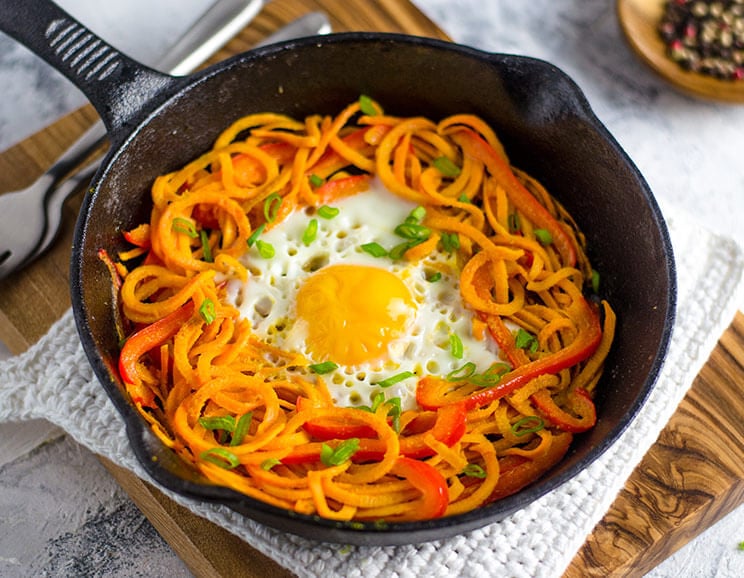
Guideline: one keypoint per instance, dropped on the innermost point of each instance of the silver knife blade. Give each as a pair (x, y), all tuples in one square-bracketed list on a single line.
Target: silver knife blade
[(212, 30)]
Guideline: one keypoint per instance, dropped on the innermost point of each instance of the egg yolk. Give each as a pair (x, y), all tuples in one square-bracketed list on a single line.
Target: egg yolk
[(352, 312)]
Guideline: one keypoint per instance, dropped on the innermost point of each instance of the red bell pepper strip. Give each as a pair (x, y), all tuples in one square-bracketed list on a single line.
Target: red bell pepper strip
[(476, 147), (448, 428), (150, 337), (516, 472), (343, 187), (430, 391), (325, 429), (578, 402), (139, 236), (432, 485)]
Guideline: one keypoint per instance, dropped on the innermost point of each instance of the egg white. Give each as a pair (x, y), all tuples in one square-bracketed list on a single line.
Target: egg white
[(267, 299)]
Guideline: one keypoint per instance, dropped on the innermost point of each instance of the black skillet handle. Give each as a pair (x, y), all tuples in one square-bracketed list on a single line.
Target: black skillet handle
[(118, 87)]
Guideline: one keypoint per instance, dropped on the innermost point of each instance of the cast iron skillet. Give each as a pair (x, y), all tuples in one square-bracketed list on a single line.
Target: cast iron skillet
[(157, 123)]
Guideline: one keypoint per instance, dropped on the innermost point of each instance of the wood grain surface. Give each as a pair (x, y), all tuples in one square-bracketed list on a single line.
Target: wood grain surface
[(688, 480)]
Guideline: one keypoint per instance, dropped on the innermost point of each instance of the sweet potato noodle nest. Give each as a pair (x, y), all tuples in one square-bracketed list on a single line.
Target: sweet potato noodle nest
[(259, 419)]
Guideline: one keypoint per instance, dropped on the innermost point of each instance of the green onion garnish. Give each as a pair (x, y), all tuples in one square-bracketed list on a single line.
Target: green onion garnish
[(413, 231), (456, 347), (544, 236), (207, 312), (445, 166), (327, 212), (450, 242), (255, 234), (417, 215), (266, 465), (206, 249), (223, 422), (461, 373), (374, 249), (491, 376), (316, 181), (398, 251), (525, 340), (266, 250), (321, 368), (394, 413), (311, 231), (434, 277), (342, 453), (392, 380), (220, 457), (527, 425), (367, 106), (463, 198), (185, 226), (271, 207), (474, 471), (514, 225), (241, 428), (595, 281)]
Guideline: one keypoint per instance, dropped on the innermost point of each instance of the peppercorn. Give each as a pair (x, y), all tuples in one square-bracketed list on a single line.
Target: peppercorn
[(705, 36)]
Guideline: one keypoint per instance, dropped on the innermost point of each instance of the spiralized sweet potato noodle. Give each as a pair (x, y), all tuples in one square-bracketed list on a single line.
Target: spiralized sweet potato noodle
[(252, 417)]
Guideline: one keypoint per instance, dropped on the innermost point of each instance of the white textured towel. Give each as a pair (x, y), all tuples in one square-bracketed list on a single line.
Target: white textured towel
[(53, 380)]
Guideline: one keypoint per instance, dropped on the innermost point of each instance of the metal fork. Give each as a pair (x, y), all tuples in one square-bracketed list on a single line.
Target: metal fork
[(30, 218)]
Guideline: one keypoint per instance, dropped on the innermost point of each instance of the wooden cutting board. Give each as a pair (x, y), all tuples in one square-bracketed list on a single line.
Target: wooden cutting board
[(689, 479)]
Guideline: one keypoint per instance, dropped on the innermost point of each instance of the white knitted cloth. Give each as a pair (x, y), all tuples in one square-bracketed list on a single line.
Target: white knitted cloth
[(54, 381)]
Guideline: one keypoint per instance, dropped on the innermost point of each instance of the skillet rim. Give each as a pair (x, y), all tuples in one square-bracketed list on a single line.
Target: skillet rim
[(314, 527)]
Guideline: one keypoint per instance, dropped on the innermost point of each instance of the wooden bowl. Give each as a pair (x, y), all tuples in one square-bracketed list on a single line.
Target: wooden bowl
[(639, 20)]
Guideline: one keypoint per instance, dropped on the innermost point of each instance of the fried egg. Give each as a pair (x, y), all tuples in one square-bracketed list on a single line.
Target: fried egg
[(373, 317)]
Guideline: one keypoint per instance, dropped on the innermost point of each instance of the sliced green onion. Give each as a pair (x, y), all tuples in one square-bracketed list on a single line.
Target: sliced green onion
[(544, 236), (392, 380), (255, 234), (463, 198), (434, 277), (525, 340), (456, 347), (398, 251), (223, 422), (445, 166), (394, 413), (241, 428), (271, 207), (321, 368), (266, 465), (513, 221), (595, 281), (327, 212), (206, 249), (220, 457), (450, 242), (311, 231), (417, 215), (474, 471), (316, 181), (461, 373), (413, 231), (266, 250), (185, 226), (527, 425), (375, 249), (340, 454), (491, 376), (207, 312), (366, 105)]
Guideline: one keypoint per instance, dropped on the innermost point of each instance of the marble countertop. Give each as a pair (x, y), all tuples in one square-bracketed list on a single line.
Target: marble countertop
[(61, 514)]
